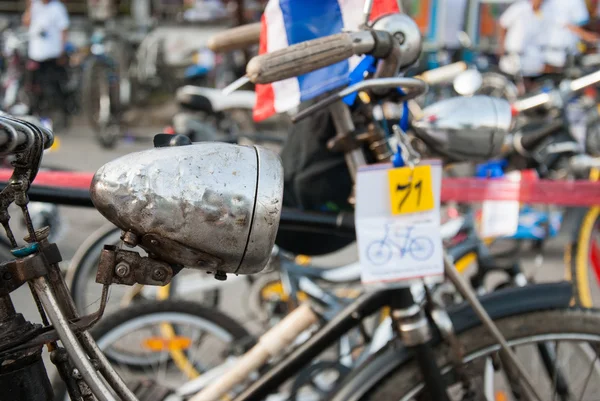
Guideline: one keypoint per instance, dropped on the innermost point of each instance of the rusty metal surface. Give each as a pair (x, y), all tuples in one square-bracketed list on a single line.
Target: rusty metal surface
[(129, 268), (15, 273), (211, 206), (106, 265)]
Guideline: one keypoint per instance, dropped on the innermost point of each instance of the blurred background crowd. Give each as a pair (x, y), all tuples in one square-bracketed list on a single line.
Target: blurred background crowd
[(109, 61)]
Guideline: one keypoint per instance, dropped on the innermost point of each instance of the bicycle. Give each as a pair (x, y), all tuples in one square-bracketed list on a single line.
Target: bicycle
[(21, 341), (531, 304), (324, 338), (274, 377), (418, 248), (101, 82)]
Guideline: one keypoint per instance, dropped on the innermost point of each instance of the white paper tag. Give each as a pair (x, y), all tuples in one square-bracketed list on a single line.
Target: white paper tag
[(396, 246), (499, 218)]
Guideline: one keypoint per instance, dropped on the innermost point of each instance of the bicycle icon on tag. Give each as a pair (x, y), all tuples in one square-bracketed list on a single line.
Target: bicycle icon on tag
[(418, 248)]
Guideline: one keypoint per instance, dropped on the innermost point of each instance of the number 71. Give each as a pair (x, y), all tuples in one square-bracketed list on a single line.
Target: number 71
[(416, 185)]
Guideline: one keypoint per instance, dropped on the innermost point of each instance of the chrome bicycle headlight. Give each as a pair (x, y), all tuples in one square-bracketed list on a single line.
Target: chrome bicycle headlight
[(210, 206), (465, 128)]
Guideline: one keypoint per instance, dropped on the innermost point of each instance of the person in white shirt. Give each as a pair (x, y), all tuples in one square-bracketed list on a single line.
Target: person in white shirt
[(204, 10), (564, 22), (521, 37), (48, 23)]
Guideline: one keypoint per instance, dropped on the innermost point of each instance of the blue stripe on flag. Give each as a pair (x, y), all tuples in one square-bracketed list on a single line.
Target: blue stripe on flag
[(309, 19)]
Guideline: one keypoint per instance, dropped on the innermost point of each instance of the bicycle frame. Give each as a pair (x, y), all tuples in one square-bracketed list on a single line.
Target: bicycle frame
[(407, 314), (351, 317)]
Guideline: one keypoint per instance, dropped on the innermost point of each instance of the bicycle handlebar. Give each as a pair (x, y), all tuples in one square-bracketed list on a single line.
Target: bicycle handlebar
[(555, 98), (237, 38), (413, 86), (533, 139), (314, 54), (17, 136)]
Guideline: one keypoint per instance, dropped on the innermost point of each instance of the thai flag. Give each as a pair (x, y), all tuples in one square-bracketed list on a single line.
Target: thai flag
[(287, 22)]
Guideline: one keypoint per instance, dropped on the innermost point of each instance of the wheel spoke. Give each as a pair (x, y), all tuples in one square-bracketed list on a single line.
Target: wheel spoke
[(587, 379), (555, 373), (549, 359)]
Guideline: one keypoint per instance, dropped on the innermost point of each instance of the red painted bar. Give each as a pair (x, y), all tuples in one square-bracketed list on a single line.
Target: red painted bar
[(464, 190)]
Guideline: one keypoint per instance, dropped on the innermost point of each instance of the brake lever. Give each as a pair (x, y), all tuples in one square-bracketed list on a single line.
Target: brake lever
[(235, 85), (415, 87)]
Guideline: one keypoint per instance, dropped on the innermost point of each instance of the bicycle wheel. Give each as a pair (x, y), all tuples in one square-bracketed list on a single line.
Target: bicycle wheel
[(583, 260), (169, 342), (100, 98), (421, 248), (569, 333), (379, 253), (81, 276)]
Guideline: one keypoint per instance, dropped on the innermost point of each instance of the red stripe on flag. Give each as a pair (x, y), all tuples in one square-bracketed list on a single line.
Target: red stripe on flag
[(265, 96), (382, 7)]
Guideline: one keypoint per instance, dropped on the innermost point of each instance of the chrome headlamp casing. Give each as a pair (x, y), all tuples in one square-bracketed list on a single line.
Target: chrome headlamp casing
[(406, 31), (210, 206), (465, 128)]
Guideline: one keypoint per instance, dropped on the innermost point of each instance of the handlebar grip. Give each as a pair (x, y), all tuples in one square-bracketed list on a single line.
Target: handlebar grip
[(443, 74), (585, 81), (533, 139), (300, 59), (532, 102), (237, 38), (17, 136), (9, 142)]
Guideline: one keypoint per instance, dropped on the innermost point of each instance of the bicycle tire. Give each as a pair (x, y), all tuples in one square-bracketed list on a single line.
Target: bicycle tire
[(88, 102), (84, 265), (577, 260), (147, 309), (400, 375)]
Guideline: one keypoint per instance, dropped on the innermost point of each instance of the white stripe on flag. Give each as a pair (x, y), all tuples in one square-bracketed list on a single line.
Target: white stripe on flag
[(286, 92), (352, 15)]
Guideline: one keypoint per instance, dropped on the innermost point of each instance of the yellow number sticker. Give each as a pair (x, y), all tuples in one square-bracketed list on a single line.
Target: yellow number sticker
[(411, 190)]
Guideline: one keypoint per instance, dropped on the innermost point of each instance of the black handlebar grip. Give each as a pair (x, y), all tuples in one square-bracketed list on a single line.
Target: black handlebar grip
[(237, 38), (533, 139), (300, 59)]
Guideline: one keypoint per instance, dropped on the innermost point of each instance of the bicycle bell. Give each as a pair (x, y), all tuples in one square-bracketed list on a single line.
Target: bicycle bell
[(465, 128), (211, 206), (406, 31)]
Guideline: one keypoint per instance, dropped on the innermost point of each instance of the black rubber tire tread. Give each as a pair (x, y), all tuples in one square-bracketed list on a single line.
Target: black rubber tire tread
[(403, 378)]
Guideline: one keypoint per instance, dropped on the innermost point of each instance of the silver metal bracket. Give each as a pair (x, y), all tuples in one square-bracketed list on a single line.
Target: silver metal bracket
[(412, 325), (118, 266)]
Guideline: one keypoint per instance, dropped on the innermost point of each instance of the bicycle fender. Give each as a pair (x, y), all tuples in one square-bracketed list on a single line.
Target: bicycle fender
[(499, 304)]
